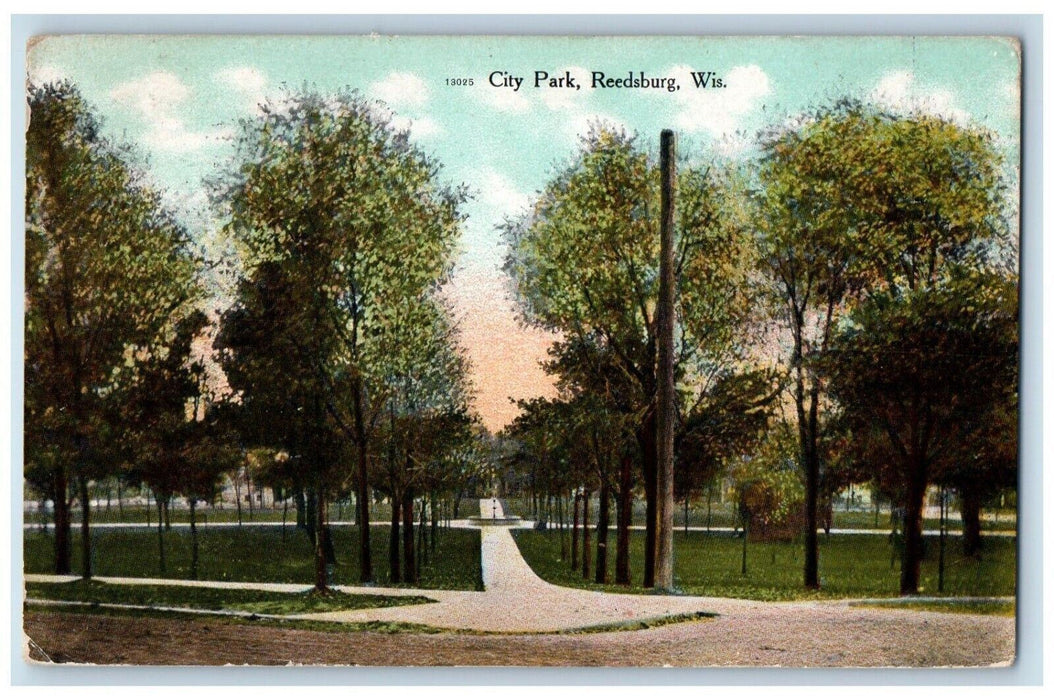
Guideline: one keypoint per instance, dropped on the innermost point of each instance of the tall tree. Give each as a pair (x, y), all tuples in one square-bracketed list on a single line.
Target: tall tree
[(108, 271), (340, 217), (930, 371), (852, 201), (585, 262)]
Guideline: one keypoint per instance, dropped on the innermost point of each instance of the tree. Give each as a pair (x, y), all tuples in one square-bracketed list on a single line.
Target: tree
[(158, 411), (585, 263), (341, 218), (423, 375), (929, 370), (726, 423), (853, 201), (108, 272), (767, 486)]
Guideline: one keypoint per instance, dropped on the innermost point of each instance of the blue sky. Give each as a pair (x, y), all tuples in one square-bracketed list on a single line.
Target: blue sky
[(178, 99)]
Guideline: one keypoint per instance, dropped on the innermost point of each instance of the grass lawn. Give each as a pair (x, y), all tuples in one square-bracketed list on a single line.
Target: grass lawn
[(1003, 608), (721, 515), (851, 566), (256, 554), (227, 513), (202, 598)]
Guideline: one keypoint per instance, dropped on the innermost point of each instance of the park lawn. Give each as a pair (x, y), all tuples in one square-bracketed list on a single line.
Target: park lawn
[(256, 554), (721, 515), (1002, 608), (851, 566), (204, 598), (179, 513)]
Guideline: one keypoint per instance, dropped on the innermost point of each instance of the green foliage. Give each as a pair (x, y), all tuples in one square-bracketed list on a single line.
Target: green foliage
[(767, 485), (728, 422), (345, 235), (586, 260), (108, 274), (924, 377)]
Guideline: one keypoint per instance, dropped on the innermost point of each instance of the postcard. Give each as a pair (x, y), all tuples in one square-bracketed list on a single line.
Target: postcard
[(521, 351)]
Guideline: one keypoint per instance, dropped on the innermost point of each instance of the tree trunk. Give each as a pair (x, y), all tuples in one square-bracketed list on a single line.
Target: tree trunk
[(120, 501), (363, 498), (394, 566), (238, 500), (168, 517), (649, 465), (85, 529), (321, 579), (435, 523), (812, 486), (709, 503), (422, 553), (746, 535), (574, 535), (940, 561), (193, 541), (625, 515), (970, 507), (563, 531), (63, 548), (311, 516), (409, 565), (913, 544), (301, 508), (285, 512), (586, 546), (160, 538), (249, 491), (603, 516)]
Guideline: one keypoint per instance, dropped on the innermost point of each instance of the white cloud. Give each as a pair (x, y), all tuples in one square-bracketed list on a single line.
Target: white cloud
[(504, 99), (156, 98), (419, 127), (248, 81), (899, 91), (401, 89), (47, 73), (719, 111), (499, 193)]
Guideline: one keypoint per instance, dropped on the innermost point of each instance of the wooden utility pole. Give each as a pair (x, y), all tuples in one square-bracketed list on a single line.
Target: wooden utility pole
[(666, 413)]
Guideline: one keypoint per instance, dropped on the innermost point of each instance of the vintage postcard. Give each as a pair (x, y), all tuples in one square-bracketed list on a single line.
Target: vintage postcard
[(532, 351)]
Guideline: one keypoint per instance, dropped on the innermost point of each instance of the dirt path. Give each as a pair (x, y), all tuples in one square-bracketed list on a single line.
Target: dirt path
[(866, 638)]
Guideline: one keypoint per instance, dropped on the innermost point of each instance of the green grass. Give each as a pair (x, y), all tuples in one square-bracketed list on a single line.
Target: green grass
[(227, 513), (383, 627), (851, 566), (203, 598), (722, 515), (309, 625), (256, 554), (1002, 608)]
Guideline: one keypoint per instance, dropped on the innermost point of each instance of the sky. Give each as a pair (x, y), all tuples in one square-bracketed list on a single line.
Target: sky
[(179, 101)]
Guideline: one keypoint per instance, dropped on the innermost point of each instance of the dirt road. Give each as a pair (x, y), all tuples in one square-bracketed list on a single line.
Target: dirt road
[(851, 637)]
